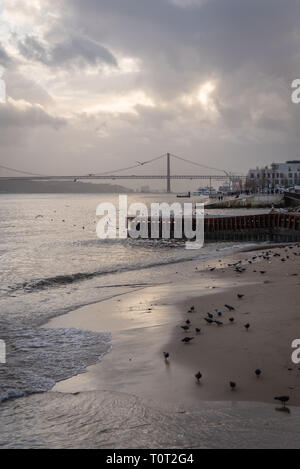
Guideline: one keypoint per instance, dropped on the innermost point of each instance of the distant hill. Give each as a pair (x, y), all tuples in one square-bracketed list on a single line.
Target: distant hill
[(58, 187)]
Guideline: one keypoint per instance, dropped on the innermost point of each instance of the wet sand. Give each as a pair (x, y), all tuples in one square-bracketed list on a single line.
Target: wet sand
[(146, 322)]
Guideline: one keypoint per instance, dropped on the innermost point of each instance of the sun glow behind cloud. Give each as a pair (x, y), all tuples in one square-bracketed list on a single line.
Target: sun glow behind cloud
[(203, 96), (205, 92), (120, 104)]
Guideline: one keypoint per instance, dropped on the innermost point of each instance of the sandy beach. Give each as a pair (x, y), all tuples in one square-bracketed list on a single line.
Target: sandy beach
[(147, 322)]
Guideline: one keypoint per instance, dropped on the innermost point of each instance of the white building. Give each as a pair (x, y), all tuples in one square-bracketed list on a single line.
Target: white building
[(278, 175)]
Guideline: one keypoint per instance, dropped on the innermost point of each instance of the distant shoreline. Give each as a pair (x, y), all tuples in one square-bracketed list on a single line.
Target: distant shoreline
[(59, 187)]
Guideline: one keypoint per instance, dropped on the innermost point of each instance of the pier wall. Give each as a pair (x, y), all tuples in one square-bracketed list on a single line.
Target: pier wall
[(278, 227)]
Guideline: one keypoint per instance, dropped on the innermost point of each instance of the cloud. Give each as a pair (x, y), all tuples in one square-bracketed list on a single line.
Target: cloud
[(207, 77), (5, 60), (73, 51), (22, 87), (187, 3), (20, 113)]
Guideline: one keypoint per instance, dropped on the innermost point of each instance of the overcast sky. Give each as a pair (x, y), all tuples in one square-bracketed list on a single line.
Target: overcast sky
[(95, 85)]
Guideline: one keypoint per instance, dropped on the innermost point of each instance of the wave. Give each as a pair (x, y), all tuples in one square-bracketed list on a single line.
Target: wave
[(60, 280), (34, 285), (38, 357)]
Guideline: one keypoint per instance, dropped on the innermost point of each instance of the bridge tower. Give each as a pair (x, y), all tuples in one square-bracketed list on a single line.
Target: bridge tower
[(168, 174)]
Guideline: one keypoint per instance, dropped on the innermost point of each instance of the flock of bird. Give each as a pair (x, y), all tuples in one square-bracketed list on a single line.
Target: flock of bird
[(211, 317)]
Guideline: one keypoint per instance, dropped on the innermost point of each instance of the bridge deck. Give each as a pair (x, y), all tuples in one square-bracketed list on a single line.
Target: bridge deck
[(215, 177)]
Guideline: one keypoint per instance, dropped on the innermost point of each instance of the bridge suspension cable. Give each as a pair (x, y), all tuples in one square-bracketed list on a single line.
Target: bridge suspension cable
[(199, 164), (20, 171), (139, 163)]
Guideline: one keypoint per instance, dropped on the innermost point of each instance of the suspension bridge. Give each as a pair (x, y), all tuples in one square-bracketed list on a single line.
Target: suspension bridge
[(218, 175)]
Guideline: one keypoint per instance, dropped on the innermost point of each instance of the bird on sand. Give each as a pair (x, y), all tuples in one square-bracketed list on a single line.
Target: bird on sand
[(262, 271), (257, 372), (188, 321), (166, 355), (210, 315), (208, 320), (198, 330), (247, 326), (192, 308), (219, 323), (239, 295), (231, 308), (231, 319), (232, 384), (186, 340), (240, 270), (219, 313), (282, 399), (198, 376), (185, 328)]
